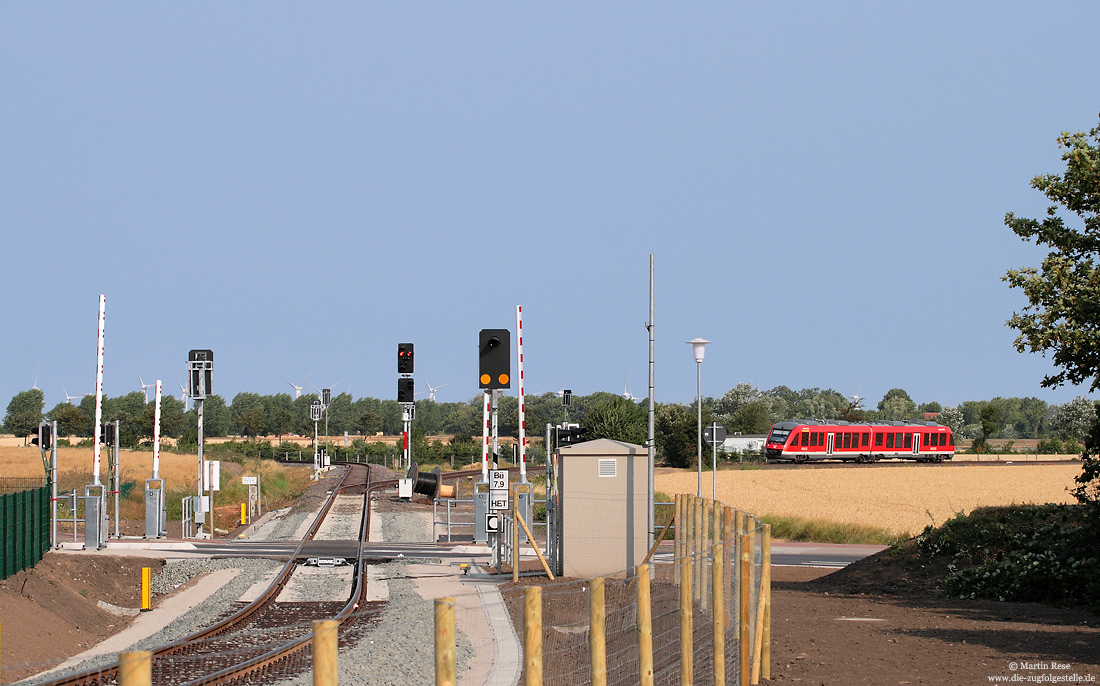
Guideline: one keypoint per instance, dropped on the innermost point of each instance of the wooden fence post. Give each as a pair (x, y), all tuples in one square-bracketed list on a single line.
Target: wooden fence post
[(135, 668), (729, 546), (719, 615), (325, 634), (686, 623), (766, 593), (532, 634), (697, 548), (744, 637), (645, 628), (677, 507), (705, 543), (597, 635), (445, 641)]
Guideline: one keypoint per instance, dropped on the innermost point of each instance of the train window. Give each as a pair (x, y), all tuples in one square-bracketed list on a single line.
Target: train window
[(947, 437), (908, 440), (813, 440), (821, 438), (866, 440), (847, 440), (878, 440), (778, 436), (890, 440), (794, 441), (935, 440)]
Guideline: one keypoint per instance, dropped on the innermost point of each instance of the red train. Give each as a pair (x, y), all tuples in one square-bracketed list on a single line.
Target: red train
[(802, 440)]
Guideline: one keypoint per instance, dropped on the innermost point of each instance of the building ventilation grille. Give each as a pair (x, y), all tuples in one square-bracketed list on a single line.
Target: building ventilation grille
[(607, 468)]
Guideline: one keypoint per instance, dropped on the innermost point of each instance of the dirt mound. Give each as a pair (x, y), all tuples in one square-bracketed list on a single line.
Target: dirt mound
[(52, 611)]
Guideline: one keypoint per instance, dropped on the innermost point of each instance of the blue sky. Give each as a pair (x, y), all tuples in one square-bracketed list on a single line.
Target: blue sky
[(299, 187)]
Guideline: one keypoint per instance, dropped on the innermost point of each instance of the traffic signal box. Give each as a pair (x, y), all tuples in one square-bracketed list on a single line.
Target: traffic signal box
[(404, 358), (44, 438), (494, 359), (405, 390)]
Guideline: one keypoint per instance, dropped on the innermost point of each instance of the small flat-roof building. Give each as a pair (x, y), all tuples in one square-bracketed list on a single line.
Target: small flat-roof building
[(604, 507)]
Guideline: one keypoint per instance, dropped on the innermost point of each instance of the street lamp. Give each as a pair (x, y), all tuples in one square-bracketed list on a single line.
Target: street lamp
[(698, 348)]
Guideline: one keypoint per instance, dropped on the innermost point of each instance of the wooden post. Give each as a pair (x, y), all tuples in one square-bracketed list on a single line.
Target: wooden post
[(729, 547), (699, 550), (677, 502), (445, 641), (686, 622), (704, 544), (538, 553), (719, 615), (135, 668), (324, 652), (532, 634), (645, 628), (597, 635), (766, 593), (738, 524), (744, 638), (146, 589)]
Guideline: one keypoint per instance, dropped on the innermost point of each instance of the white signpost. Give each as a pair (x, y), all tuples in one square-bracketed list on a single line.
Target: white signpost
[(498, 490)]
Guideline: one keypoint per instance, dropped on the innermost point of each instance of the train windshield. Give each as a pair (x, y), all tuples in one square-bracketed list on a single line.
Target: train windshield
[(779, 436)]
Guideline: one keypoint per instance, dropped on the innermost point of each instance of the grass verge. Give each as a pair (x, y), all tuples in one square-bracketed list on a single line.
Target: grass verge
[(820, 531)]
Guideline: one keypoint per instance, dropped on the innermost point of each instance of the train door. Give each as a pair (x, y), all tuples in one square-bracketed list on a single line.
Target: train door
[(916, 444), (829, 444)]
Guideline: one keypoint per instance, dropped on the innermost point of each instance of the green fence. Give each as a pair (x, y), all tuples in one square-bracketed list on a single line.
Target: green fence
[(24, 529)]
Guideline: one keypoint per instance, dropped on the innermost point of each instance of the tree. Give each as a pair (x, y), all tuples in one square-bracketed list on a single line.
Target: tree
[(25, 412), (952, 418), (70, 420), (1060, 318), (897, 405), (1074, 419), (991, 420), (675, 431), (618, 419), (1061, 315)]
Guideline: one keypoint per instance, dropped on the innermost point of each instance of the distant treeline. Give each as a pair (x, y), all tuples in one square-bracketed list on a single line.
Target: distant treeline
[(744, 409)]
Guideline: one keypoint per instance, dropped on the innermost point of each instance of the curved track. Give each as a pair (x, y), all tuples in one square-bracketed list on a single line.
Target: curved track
[(261, 639)]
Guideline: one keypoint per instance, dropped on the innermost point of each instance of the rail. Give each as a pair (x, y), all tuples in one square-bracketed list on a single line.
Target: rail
[(259, 664)]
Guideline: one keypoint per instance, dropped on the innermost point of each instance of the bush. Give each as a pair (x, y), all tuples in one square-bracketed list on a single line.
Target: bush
[(1036, 553)]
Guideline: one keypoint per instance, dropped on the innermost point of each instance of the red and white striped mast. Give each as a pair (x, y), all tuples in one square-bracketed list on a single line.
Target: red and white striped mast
[(485, 437), (156, 433), (98, 392), (522, 424)]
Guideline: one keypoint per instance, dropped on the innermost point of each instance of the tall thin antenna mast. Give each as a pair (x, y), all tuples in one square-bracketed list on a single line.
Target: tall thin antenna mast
[(98, 391), (650, 442)]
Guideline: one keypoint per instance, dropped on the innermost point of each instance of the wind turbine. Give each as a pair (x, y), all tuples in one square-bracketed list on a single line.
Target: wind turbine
[(319, 390), (432, 389), (298, 388), (626, 391), (34, 386), (857, 398), (183, 393), (144, 386), (69, 398)]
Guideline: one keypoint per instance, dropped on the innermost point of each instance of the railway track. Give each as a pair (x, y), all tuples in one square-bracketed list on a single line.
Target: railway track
[(264, 638)]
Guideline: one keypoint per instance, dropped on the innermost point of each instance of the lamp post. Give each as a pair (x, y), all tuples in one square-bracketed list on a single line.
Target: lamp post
[(698, 349)]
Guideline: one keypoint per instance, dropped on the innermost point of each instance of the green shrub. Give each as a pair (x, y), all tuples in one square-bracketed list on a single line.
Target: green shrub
[(1033, 553)]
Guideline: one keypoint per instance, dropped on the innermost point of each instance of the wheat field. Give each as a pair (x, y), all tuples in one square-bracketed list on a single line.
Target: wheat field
[(902, 499), (75, 465)]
